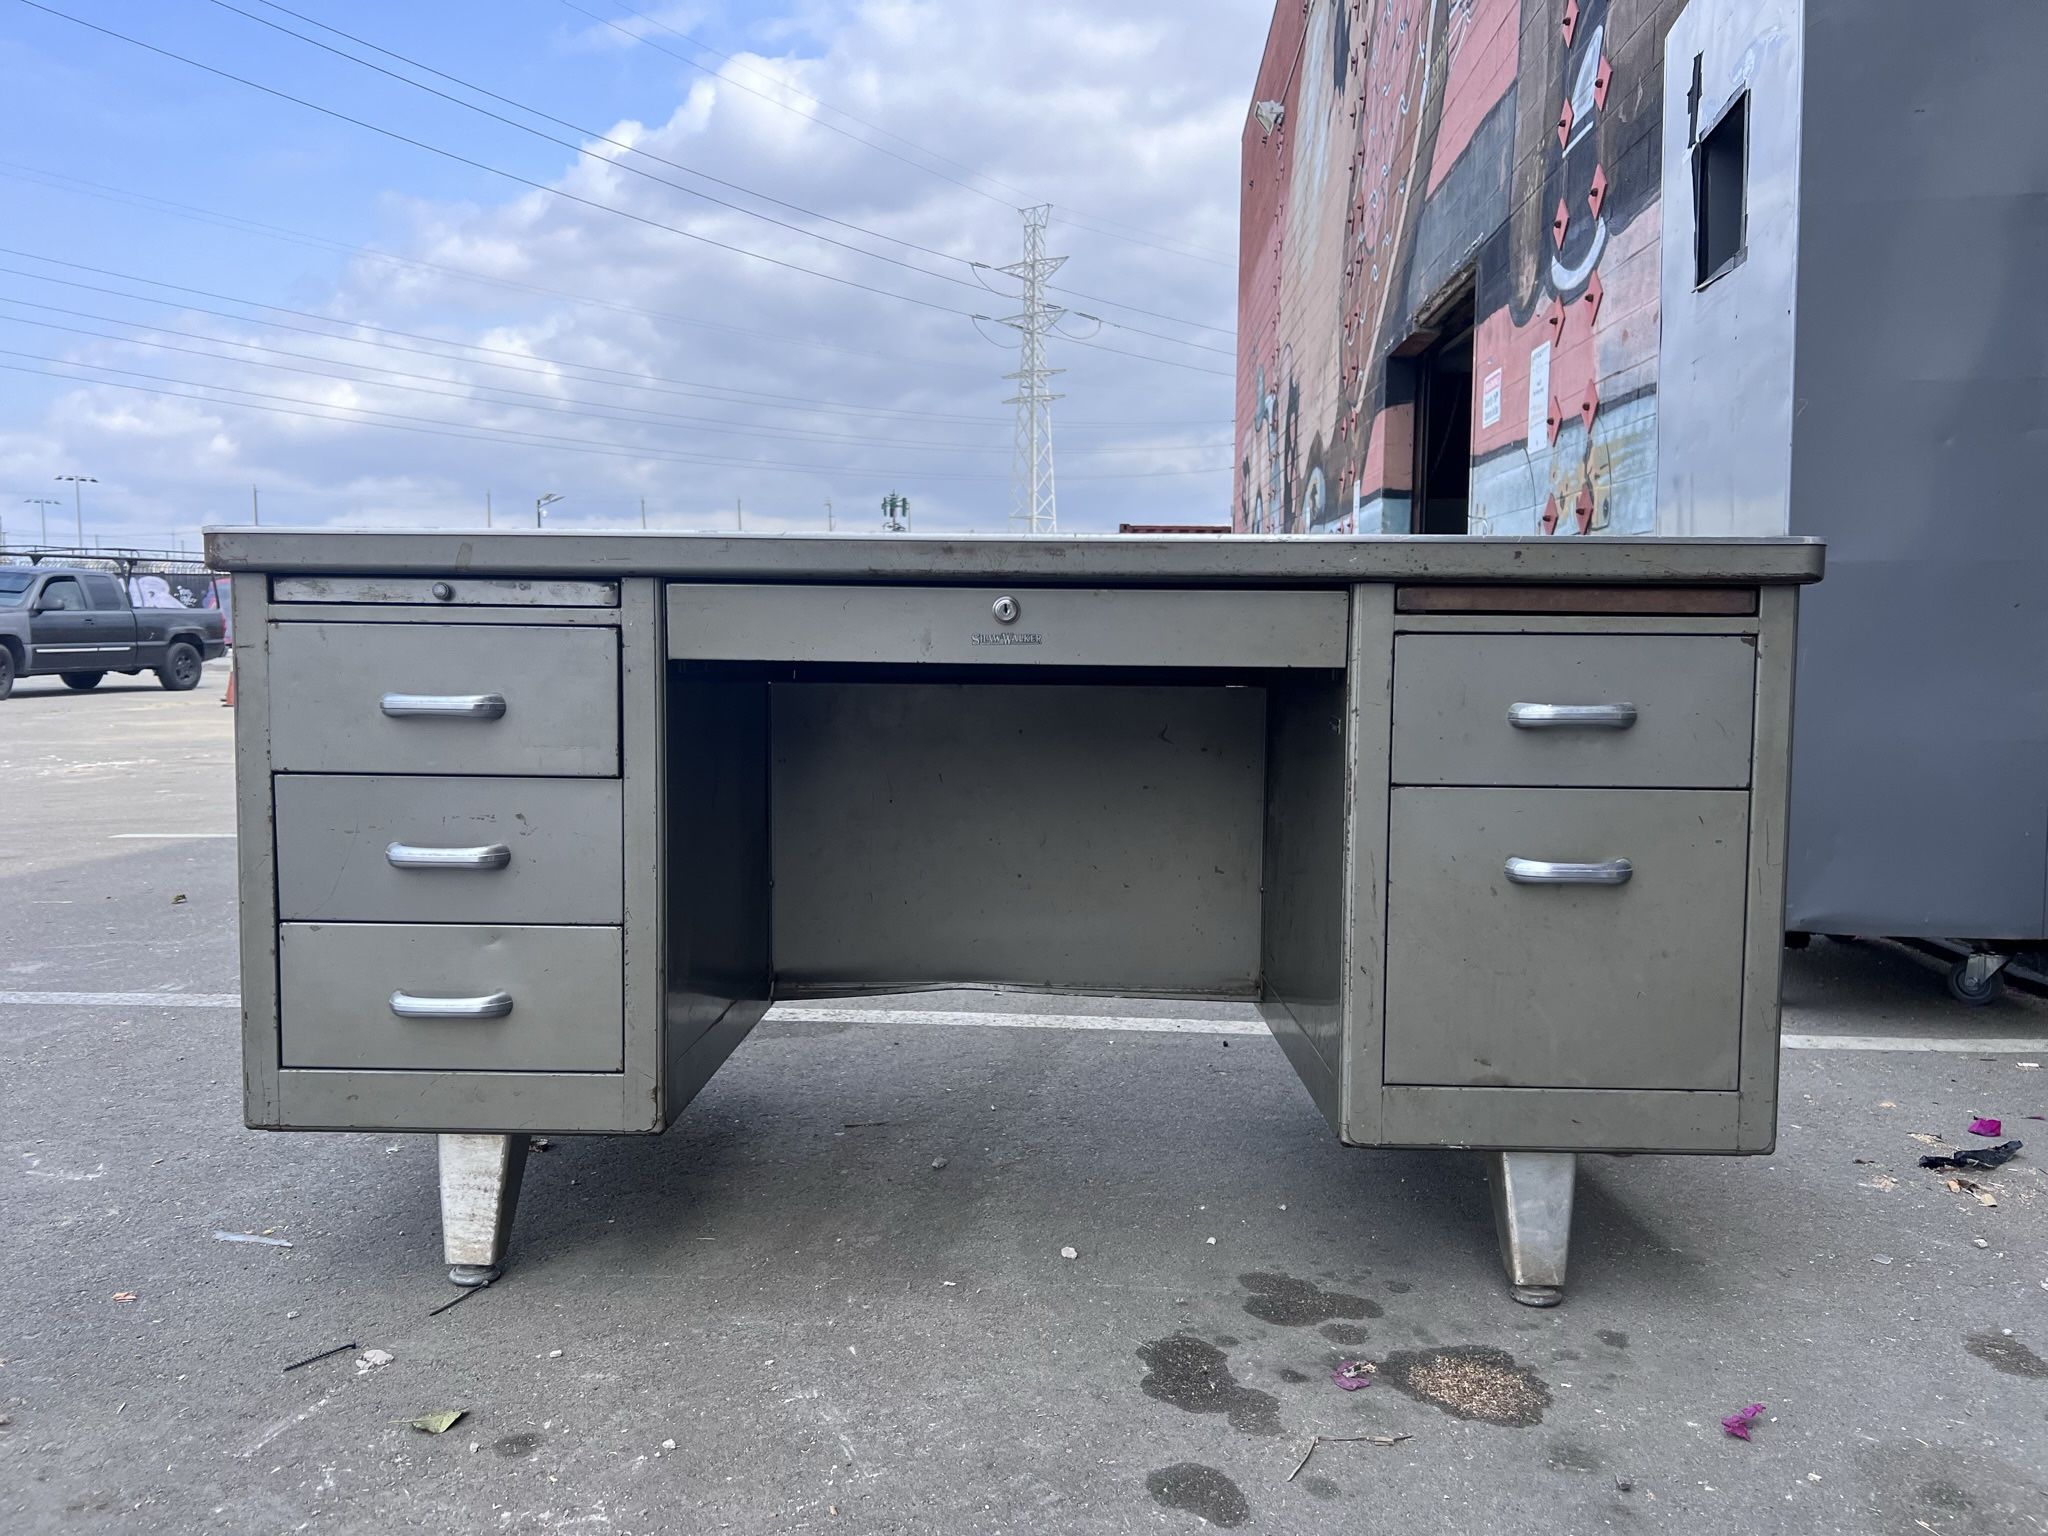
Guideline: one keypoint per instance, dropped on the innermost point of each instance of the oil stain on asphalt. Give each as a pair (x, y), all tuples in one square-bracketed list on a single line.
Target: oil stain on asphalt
[(1200, 1490), (1292, 1303), (1192, 1374), (2003, 1353)]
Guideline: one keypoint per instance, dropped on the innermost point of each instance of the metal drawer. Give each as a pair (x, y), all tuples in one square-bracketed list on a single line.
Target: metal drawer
[(371, 848), (1064, 626), (1565, 983), (446, 591), (512, 999), (444, 698), (1646, 710)]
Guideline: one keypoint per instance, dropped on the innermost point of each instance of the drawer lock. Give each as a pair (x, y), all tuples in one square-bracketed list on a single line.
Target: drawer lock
[(1543, 872), (1005, 609)]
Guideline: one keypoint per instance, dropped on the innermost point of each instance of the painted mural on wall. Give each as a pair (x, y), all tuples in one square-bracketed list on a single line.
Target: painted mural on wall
[(1419, 146)]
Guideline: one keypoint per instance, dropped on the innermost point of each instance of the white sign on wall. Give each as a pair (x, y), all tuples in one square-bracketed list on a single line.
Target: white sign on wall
[(1539, 396), (1489, 399)]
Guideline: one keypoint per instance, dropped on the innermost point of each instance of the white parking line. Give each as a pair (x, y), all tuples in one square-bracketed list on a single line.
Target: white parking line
[(1083, 1021), (1950, 1045), (163, 837), (120, 999)]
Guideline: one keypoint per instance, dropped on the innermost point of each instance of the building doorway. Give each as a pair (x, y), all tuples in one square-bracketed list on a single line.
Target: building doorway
[(1443, 423)]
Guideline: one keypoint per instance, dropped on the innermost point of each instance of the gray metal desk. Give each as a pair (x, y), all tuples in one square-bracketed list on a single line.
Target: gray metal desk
[(534, 827)]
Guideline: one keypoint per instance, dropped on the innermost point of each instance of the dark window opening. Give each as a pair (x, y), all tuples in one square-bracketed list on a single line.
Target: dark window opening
[(104, 591), (1720, 176), (1443, 425)]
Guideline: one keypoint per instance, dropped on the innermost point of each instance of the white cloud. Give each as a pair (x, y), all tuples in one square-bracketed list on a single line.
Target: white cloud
[(1132, 116)]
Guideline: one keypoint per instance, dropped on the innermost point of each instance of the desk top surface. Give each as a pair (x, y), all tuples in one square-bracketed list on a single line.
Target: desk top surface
[(1198, 559)]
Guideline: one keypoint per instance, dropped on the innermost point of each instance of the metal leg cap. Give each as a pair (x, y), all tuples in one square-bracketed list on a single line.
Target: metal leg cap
[(1537, 1295), (474, 1274)]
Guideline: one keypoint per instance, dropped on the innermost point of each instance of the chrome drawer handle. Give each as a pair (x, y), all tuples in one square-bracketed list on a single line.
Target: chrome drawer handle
[(1543, 872), (409, 856), (450, 706), (1609, 717), (493, 1006)]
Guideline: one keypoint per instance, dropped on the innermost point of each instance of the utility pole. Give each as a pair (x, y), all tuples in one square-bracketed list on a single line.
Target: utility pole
[(739, 514), (643, 511), (1033, 507), (78, 505), (255, 508), (895, 513), (487, 509), (828, 514), (542, 503)]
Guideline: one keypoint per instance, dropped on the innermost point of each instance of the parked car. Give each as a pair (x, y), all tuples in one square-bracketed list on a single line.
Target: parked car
[(80, 625)]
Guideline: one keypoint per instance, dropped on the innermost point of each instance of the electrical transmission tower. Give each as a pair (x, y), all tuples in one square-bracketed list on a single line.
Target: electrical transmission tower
[(1033, 508)]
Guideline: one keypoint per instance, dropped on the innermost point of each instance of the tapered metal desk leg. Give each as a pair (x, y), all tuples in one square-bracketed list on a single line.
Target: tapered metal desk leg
[(479, 1191), (1532, 1212)]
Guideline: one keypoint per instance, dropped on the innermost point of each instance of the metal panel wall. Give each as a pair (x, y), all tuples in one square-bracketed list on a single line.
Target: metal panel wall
[(1724, 363), (1920, 781)]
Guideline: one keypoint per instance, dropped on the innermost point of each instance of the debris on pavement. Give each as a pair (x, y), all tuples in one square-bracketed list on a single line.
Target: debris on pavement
[(178, 900), (1984, 1126), (1069, 1253), (1737, 1423), (438, 1422), (540, 1144), (1976, 1157), (370, 1359), (126, 1296), (1353, 1374), (1880, 1258), (1316, 1440), (938, 1162), (325, 1354), (1972, 1188), (251, 1237)]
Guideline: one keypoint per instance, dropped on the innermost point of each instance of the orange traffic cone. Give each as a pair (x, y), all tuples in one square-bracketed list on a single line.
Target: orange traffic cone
[(229, 701)]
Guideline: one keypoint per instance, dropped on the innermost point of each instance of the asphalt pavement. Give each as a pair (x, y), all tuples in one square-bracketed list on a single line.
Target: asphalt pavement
[(836, 1296)]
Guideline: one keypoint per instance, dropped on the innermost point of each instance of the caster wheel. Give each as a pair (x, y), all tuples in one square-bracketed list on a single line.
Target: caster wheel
[(1971, 984)]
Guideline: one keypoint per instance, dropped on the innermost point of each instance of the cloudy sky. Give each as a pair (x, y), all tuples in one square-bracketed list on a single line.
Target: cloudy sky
[(517, 304)]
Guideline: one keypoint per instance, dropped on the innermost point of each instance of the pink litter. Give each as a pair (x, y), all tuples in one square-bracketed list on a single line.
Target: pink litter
[(1738, 1422), (1353, 1374), (1983, 1127)]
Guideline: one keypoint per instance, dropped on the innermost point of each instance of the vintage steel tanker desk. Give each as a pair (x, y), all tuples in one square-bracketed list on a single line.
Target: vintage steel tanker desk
[(534, 826)]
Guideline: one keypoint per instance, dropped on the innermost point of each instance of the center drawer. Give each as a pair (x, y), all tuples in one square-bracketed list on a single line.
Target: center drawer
[(464, 999), (374, 848), (1581, 710), (444, 698), (1008, 626)]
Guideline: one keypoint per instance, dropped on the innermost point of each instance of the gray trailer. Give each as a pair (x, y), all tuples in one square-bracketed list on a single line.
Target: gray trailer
[(1863, 357)]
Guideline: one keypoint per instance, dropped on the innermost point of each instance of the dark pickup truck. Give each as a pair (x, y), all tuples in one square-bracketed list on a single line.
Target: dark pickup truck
[(80, 625)]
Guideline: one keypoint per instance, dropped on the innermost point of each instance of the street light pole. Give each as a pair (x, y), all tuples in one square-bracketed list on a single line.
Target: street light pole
[(43, 504), (78, 482), (541, 505)]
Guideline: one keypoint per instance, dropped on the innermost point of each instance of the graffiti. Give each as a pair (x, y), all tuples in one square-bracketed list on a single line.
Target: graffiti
[(1508, 145)]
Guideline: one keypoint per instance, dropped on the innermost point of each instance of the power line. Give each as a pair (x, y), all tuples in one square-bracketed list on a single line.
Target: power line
[(633, 149), (81, 187), (602, 138), (56, 181), (1217, 258), (462, 432), (555, 191), (551, 404), (514, 176)]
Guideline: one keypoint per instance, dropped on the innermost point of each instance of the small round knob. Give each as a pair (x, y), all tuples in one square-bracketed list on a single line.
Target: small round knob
[(1005, 610), (443, 593)]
